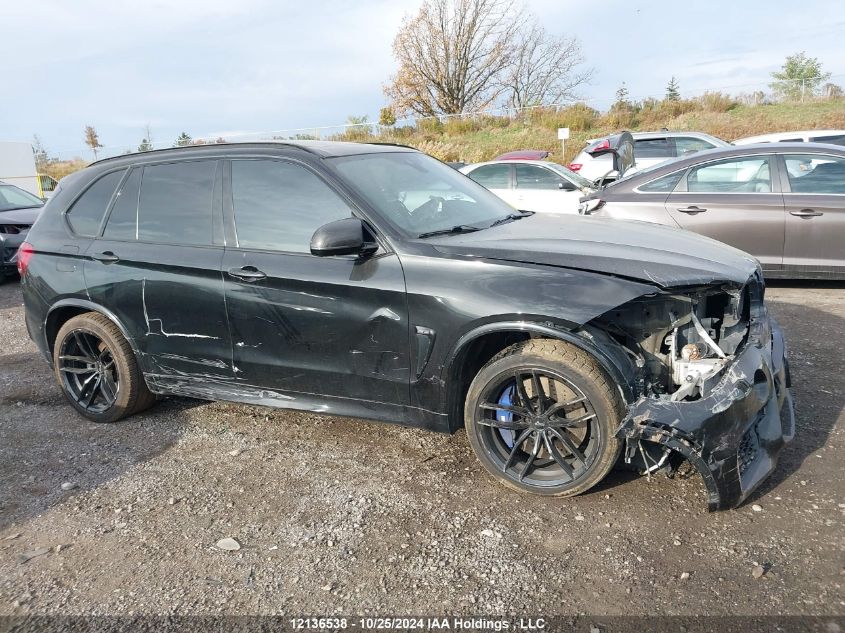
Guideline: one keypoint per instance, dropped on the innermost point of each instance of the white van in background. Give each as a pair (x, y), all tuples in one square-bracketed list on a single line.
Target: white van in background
[(17, 167)]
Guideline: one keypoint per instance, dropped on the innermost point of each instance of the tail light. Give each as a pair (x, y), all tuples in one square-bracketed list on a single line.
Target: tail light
[(25, 253), (602, 144), (575, 166)]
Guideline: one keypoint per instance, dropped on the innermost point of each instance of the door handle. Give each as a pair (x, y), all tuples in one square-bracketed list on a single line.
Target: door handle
[(247, 273), (693, 210), (806, 213), (107, 257)]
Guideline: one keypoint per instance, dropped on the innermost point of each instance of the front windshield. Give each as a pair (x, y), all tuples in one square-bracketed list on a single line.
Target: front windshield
[(579, 180), (12, 197), (419, 194)]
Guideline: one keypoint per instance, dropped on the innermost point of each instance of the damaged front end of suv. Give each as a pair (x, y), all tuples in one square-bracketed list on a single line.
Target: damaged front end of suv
[(711, 384)]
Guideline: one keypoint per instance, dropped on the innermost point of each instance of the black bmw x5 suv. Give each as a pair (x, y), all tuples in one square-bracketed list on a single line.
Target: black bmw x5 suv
[(374, 281)]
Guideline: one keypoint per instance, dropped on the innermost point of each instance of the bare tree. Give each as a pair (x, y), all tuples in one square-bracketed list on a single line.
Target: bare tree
[(543, 68), (92, 139), (451, 55)]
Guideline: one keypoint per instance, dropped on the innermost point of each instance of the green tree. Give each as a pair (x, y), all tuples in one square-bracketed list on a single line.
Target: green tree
[(92, 139), (183, 140), (799, 77), (42, 158), (673, 92), (145, 145)]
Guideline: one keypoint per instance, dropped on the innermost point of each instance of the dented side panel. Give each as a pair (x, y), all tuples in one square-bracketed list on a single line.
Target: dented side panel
[(336, 326)]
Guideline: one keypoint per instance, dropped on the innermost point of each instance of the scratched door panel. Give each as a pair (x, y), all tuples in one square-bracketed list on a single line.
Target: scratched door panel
[(336, 326), (170, 298)]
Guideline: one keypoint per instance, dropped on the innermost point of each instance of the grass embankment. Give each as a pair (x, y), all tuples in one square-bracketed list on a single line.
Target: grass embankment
[(484, 137)]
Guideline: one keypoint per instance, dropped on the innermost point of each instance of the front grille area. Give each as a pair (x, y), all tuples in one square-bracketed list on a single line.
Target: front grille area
[(748, 449)]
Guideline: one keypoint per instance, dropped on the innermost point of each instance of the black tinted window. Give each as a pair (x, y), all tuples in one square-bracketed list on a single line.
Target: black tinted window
[(838, 139), (492, 176), (176, 203), (815, 173), (86, 213), (690, 145), (663, 184), (122, 220), (653, 148), (279, 205)]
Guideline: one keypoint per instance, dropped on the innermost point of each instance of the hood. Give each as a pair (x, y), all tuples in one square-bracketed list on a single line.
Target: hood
[(656, 254), (20, 216)]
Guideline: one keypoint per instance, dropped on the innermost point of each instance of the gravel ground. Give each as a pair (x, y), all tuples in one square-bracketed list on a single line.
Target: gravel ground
[(347, 516)]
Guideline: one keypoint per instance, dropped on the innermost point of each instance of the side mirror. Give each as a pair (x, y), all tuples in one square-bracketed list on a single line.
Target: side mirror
[(341, 237), (565, 185)]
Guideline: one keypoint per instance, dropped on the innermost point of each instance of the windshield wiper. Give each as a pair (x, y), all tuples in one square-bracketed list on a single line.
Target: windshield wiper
[(511, 217), (459, 228)]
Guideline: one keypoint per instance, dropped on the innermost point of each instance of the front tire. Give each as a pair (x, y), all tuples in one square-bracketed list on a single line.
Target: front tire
[(541, 417), (97, 370)]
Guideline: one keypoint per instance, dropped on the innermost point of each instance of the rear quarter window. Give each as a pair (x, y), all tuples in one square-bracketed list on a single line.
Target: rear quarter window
[(664, 184), (87, 212)]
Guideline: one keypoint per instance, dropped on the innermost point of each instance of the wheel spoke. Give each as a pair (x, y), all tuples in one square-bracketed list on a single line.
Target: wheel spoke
[(524, 400), (78, 359), (78, 370), (519, 440), (556, 407), (508, 408), (538, 391), (557, 456), (563, 436), (93, 392), (531, 457), (83, 388), (108, 387), (502, 424), (573, 423), (85, 346)]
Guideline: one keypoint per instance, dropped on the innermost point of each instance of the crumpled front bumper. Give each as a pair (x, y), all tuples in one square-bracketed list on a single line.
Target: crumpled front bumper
[(9, 245), (733, 435)]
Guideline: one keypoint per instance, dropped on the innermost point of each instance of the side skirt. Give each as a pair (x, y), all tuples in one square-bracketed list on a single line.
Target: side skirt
[(205, 388)]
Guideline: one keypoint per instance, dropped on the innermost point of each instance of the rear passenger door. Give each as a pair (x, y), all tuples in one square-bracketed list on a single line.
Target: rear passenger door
[(736, 201), (156, 265), (814, 196), (330, 326)]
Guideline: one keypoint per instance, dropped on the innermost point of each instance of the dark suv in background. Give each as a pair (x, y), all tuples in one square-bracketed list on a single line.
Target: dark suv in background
[(374, 281)]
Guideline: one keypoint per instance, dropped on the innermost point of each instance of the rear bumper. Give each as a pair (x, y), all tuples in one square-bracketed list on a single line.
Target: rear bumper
[(733, 435)]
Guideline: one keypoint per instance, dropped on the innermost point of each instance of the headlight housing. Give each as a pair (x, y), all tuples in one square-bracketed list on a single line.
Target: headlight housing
[(590, 205)]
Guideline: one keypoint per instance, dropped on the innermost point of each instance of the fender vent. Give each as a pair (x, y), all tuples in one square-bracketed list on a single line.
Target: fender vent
[(748, 449)]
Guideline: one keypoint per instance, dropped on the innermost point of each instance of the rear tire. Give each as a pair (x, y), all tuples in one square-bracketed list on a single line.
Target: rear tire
[(97, 370), (541, 416)]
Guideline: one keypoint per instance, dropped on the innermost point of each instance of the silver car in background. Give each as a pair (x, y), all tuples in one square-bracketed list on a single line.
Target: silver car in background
[(650, 148), (783, 203)]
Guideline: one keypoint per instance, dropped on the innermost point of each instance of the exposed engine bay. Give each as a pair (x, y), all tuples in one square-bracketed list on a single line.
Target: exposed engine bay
[(680, 343)]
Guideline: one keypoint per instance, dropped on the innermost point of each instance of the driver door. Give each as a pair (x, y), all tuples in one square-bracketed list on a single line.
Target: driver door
[(544, 191), (335, 326)]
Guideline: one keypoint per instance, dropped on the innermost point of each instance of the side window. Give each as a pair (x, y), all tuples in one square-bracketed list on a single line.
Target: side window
[(492, 176), (175, 204), (123, 219), (653, 148), (837, 139), (689, 145), (279, 205), (742, 175), (815, 173), (534, 177), (86, 213), (664, 184)]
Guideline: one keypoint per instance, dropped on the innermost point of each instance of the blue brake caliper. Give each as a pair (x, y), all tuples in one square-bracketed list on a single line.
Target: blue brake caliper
[(506, 416)]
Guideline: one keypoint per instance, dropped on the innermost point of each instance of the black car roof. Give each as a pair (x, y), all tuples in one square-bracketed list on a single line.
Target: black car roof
[(323, 149)]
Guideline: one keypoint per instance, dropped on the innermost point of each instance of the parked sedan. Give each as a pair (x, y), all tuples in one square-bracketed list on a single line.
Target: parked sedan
[(784, 203), (532, 185), (18, 211), (835, 137)]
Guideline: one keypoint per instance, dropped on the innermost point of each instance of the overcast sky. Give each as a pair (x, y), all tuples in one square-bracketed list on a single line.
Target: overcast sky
[(221, 67)]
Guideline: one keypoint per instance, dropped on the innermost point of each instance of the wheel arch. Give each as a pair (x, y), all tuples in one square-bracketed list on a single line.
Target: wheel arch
[(484, 342), (65, 309)]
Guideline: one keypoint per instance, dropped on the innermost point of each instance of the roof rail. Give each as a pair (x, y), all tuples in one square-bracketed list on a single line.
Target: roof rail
[(188, 147)]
